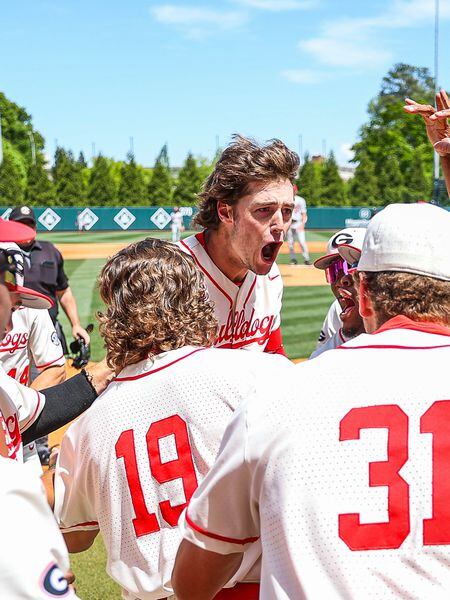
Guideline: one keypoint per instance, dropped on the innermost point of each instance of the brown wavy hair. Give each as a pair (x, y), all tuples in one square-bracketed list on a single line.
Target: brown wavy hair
[(243, 162), (156, 300), (418, 297)]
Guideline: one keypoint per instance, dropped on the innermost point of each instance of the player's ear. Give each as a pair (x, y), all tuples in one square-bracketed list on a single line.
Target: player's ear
[(365, 303), (225, 212)]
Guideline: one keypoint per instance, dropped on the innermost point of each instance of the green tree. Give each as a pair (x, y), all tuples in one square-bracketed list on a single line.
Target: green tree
[(390, 182), (363, 187), (132, 186), (160, 187), (12, 177), (102, 190), (188, 183), (332, 192), (40, 190), (68, 178), (309, 181), (17, 128), (418, 186)]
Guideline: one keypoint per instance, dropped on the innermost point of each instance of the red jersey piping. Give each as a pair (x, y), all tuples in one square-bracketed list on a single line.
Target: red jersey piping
[(216, 536), (402, 322), (133, 377), (87, 524), (387, 346), (50, 363)]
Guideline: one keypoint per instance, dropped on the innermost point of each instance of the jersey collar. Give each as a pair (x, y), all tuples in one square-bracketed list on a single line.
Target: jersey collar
[(402, 322)]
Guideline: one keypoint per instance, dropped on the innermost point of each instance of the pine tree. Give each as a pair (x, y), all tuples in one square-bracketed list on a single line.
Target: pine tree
[(188, 183), (364, 187), (11, 179), (332, 191), (160, 186), (68, 178), (309, 181), (102, 189), (390, 182), (132, 186), (40, 190), (418, 185), (82, 160)]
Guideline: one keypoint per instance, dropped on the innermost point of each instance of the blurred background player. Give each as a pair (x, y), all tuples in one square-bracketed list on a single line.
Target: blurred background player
[(30, 336), (304, 475), (166, 409), (176, 224), (297, 229), (338, 272), (332, 322), (245, 208), (44, 272)]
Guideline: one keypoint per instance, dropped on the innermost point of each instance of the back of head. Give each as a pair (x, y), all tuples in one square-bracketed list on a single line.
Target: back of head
[(156, 300), (406, 262), (243, 162)]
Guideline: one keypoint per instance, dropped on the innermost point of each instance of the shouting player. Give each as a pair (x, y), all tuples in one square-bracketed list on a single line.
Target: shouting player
[(349, 489), (128, 467), (246, 207)]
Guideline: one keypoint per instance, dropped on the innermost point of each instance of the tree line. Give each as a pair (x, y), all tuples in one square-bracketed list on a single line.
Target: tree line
[(394, 162)]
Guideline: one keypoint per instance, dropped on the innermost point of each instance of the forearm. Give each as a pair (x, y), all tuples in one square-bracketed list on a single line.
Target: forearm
[(69, 306), (49, 377), (445, 162)]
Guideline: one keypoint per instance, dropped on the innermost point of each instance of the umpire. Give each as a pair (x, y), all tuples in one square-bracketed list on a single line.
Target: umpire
[(44, 272)]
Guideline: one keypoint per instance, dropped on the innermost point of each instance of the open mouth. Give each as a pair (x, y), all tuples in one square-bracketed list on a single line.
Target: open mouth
[(269, 251), (346, 302)]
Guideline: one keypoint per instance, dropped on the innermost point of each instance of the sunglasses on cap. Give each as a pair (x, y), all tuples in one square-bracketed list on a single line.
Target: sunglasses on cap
[(10, 265), (338, 268)]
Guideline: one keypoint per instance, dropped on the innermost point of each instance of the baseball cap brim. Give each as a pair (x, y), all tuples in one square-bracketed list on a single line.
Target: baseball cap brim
[(31, 298), (349, 253), (325, 261), (12, 231)]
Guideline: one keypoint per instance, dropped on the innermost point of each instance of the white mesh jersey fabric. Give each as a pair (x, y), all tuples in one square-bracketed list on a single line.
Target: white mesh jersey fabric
[(247, 314), (344, 478), (120, 463)]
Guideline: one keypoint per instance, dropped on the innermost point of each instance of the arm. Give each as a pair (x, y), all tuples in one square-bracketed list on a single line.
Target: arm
[(69, 305), (79, 541), (49, 377)]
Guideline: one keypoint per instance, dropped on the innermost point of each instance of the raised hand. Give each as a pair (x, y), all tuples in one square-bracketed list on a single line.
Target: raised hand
[(435, 120)]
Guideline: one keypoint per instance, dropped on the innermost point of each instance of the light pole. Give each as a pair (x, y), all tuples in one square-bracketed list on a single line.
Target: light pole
[(1, 141), (33, 146), (436, 184)]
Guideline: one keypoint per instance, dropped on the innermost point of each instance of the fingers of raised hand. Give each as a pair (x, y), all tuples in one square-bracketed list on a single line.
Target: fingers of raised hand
[(413, 107), (440, 114)]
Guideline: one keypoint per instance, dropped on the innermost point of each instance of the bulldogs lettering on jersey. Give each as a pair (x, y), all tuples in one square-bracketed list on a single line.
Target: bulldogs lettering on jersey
[(248, 313), (32, 336)]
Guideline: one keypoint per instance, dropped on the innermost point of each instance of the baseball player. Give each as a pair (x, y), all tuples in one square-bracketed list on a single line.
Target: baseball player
[(297, 229), (338, 274), (332, 322), (246, 208), (176, 224), (349, 494), (128, 467)]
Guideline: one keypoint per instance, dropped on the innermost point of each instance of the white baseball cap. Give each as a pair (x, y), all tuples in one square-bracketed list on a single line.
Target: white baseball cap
[(353, 236), (411, 238), (30, 298)]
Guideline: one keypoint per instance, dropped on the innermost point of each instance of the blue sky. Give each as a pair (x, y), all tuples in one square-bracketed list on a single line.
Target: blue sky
[(184, 72)]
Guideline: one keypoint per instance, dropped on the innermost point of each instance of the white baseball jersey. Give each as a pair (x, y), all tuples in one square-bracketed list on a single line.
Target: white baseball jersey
[(333, 342), (20, 406), (34, 556), (130, 463), (345, 477), (33, 336), (299, 210), (248, 314), (176, 219), (331, 324)]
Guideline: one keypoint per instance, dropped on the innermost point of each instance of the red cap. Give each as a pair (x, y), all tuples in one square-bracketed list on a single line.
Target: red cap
[(10, 231)]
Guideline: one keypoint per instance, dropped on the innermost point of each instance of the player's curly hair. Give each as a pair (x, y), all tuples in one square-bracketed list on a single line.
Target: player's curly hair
[(243, 162), (418, 297), (156, 300)]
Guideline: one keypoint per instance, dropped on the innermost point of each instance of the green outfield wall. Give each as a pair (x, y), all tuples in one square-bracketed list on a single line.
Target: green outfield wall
[(158, 218)]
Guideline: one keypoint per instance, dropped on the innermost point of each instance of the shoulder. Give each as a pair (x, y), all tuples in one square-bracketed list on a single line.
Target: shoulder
[(49, 249)]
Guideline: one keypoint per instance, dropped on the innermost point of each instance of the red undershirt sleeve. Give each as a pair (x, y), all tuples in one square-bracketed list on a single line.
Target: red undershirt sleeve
[(275, 343)]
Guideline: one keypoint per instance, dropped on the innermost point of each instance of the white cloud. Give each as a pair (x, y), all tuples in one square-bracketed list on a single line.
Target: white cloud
[(302, 75), (354, 42), (198, 21), (279, 5)]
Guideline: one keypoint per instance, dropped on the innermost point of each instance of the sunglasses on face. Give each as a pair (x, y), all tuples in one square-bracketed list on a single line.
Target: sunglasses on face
[(10, 265), (339, 268)]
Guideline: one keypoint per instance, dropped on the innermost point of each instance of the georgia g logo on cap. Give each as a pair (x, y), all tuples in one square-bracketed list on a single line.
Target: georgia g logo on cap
[(341, 238)]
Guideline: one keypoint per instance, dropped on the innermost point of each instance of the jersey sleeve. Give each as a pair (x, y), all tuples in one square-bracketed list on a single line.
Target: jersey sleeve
[(206, 522), (275, 343), (74, 510), (44, 343), (28, 403)]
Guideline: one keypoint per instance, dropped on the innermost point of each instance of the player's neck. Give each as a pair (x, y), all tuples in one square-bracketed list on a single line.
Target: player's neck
[(220, 251)]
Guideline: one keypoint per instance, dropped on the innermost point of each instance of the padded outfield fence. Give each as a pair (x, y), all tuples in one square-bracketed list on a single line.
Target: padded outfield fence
[(132, 218)]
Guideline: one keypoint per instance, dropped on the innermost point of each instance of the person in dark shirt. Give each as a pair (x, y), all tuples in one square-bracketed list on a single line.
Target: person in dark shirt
[(44, 272)]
